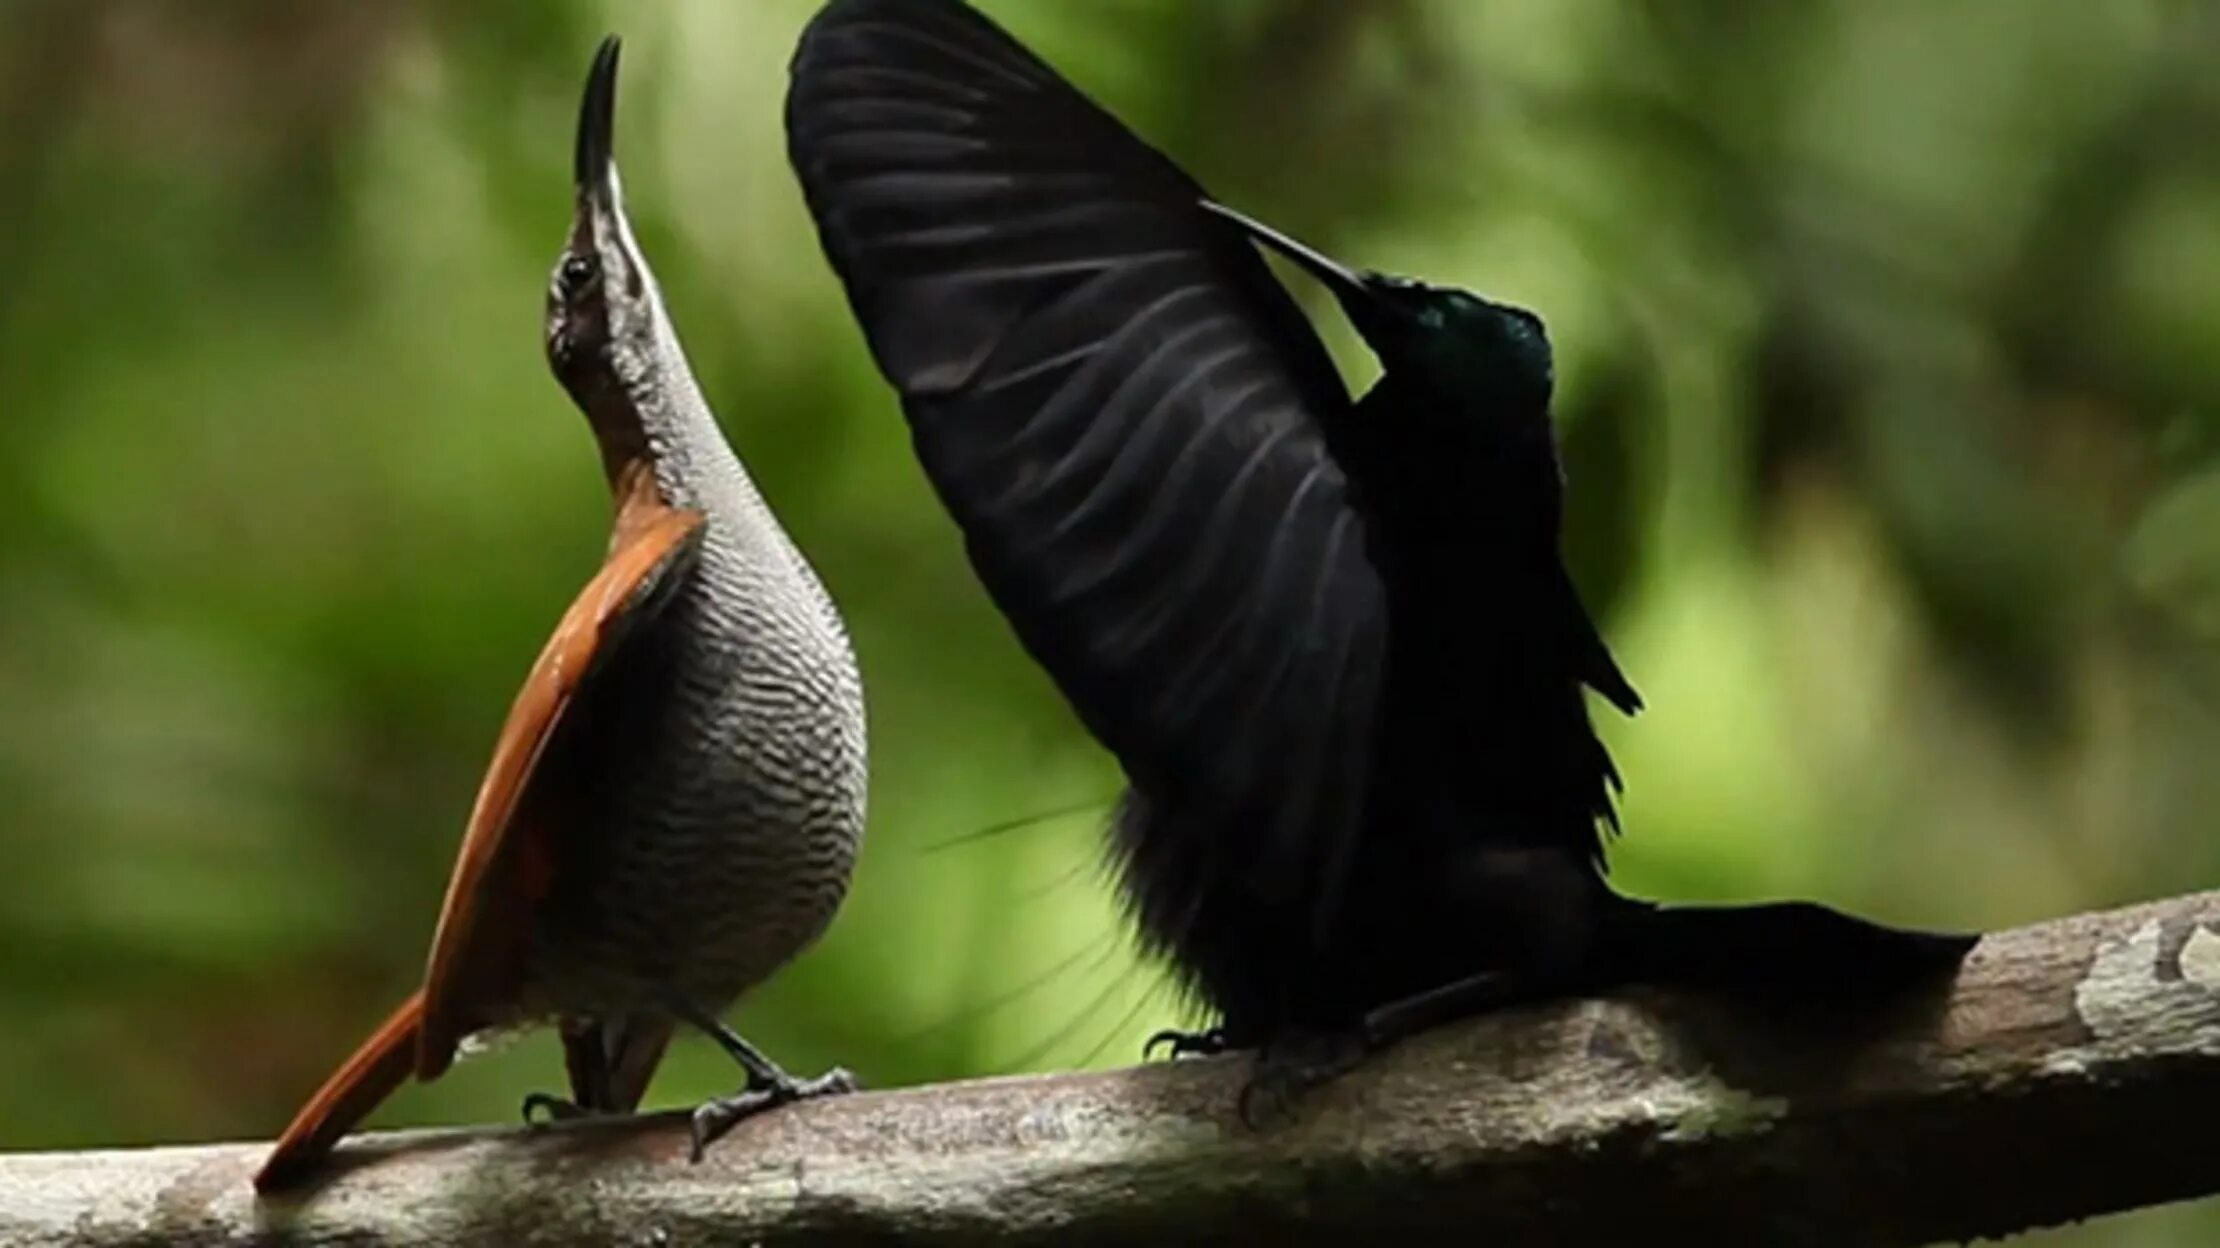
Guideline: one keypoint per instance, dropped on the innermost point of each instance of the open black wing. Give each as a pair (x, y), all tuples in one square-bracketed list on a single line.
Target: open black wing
[(1122, 409)]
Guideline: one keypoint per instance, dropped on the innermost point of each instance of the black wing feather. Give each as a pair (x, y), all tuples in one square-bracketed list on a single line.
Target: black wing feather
[(1123, 411)]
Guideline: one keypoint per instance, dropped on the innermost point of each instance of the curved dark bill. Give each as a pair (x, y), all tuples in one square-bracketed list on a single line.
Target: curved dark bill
[(597, 118), (1338, 277)]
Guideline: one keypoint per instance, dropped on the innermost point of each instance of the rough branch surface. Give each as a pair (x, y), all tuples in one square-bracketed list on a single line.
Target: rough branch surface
[(2073, 1069)]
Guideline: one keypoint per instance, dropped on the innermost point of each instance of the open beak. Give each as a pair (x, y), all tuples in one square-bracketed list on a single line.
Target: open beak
[(594, 166), (1357, 296)]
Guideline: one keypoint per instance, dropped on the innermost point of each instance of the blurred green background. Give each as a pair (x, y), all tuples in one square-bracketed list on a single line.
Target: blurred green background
[(1889, 347)]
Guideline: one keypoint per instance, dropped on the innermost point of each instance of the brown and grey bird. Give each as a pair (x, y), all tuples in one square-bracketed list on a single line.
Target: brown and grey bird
[(674, 807)]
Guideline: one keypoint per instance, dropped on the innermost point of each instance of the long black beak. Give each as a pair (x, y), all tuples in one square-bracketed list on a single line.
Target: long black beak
[(1338, 277), (593, 165), (1357, 292)]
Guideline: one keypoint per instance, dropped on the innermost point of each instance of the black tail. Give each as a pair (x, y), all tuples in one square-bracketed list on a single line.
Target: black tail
[(1775, 950)]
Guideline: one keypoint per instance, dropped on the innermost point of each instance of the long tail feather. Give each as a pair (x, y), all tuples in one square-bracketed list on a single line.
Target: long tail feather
[(1778, 950), (361, 1082)]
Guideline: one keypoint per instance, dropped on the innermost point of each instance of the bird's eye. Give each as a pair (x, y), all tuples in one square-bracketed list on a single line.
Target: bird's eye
[(575, 273)]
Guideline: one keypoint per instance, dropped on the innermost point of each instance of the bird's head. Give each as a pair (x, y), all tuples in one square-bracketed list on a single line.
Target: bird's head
[(1451, 340), (604, 312), (609, 340)]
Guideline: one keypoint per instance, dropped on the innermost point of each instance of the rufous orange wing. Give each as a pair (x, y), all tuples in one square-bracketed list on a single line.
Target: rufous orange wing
[(506, 865), (356, 1088), (504, 868)]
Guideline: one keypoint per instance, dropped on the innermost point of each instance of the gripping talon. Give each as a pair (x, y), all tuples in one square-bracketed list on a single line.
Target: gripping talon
[(713, 1118), (1183, 1043), (558, 1109), (1295, 1063)]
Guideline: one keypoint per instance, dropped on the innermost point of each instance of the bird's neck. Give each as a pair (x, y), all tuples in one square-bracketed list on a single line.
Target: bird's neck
[(1466, 533), (1472, 490), (668, 431)]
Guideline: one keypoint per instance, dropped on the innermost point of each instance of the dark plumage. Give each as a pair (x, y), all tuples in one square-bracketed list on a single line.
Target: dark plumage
[(1332, 644)]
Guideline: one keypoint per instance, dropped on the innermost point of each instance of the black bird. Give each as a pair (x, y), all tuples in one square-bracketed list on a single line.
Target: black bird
[(1333, 645)]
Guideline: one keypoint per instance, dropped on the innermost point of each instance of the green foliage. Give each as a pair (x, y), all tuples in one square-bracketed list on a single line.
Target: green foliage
[(1890, 384)]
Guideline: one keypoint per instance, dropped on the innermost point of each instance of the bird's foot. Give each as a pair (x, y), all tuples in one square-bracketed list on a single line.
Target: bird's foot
[(1475, 994), (714, 1118), (1181, 1043), (1294, 1062), (556, 1108)]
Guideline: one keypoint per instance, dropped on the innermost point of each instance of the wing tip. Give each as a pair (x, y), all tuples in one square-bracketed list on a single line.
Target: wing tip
[(368, 1076)]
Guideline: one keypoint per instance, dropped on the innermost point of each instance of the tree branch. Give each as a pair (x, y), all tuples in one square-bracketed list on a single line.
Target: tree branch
[(2074, 1069)]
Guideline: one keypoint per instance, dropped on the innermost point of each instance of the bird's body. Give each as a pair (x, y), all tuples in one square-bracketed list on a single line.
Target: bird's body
[(718, 765), (1486, 788), (1331, 643), (674, 806)]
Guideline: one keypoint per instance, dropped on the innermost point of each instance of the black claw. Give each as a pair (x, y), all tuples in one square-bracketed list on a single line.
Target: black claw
[(558, 1109), (712, 1119), (1275, 1084), (1293, 1064), (1182, 1043)]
